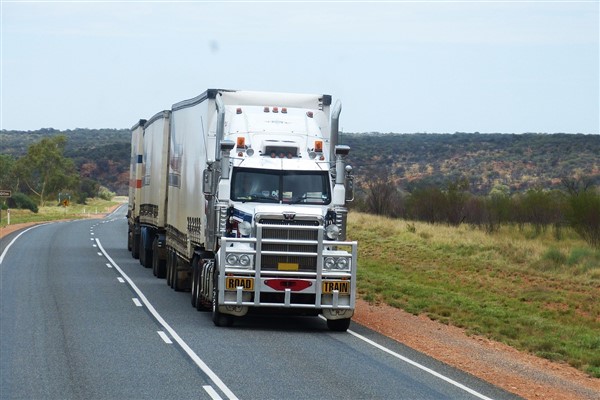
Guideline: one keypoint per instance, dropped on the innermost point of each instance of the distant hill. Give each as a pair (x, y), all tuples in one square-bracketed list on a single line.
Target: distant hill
[(518, 162)]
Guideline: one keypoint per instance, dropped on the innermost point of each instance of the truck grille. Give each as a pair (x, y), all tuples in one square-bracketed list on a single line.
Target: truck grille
[(305, 263)]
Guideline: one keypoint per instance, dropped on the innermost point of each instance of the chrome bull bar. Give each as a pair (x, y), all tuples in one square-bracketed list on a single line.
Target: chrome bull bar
[(241, 296)]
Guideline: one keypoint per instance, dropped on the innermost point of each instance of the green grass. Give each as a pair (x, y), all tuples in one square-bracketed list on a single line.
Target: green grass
[(54, 213), (533, 292)]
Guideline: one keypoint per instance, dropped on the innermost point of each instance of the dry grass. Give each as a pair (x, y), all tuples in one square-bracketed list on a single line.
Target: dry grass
[(534, 292), (54, 213)]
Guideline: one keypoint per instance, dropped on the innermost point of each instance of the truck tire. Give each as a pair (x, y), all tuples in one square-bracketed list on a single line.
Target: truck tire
[(129, 239), (338, 325), (219, 319), (195, 286), (135, 245), (179, 284), (158, 265), (145, 252), (170, 257)]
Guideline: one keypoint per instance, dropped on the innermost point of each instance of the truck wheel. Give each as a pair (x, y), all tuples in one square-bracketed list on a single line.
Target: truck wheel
[(195, 274), (219, 319), (338, 325), (158, 265), (135, 245), (170, 257), (129, 239), (178, 283), (141, 250)]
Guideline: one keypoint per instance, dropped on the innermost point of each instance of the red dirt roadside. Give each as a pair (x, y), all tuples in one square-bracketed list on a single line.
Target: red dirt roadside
[(517, 372)]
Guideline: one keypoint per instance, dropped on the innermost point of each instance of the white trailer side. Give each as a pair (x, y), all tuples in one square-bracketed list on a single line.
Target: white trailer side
[(135, 186)]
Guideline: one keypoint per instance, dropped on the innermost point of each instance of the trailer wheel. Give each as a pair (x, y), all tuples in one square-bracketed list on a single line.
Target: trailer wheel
[(129, 239), (158, 265), (338, 325), (178, 283), (170, 257), (219, 319), (135, 245), (195, 273)]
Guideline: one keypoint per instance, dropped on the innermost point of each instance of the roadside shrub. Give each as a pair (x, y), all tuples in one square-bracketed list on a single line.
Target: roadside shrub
[(584, 216), (105, 194), (22, 201), (555, 256)]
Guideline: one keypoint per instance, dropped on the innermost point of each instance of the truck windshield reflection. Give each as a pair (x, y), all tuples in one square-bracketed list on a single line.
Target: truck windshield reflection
[(273, 186)]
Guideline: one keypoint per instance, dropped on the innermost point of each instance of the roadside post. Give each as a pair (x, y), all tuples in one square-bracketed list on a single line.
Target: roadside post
[(4, 194)]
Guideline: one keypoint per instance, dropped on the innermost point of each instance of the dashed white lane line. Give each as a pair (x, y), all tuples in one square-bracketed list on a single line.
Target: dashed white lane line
[(136, 302), (120, 279), (164, 337), (184, 346), (108, 265)]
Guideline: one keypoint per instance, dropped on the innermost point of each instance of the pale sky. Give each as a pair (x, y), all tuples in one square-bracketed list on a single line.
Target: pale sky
[(414, 66)]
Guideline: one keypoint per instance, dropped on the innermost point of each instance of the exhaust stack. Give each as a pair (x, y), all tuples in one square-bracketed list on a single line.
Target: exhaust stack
[(335, 131)]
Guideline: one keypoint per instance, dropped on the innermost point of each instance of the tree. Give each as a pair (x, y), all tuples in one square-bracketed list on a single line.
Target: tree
[(427, 204), (584, 215), (457, 196), (7, 167), (44, 170), (383, 198)]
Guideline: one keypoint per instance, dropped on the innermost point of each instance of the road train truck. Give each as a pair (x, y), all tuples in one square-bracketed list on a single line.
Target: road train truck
[(243, 202)]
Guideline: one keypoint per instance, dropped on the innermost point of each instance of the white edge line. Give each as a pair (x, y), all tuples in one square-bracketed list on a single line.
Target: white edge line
[(197, 360), (164, 337), (212, 392), (422, 367), (15, 239)]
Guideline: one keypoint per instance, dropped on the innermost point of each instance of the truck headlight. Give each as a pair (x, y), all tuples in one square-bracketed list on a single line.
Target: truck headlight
[(232, 259), (342, 264), (239, 260), (329, 263), (245, 260), (337, 264), (332, 231)]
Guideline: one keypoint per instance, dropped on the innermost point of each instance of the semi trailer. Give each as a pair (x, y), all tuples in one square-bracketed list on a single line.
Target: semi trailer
[(241, 199)]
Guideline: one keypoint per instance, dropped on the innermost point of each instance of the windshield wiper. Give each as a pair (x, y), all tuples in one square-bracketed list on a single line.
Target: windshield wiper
[(299, 199), (253, 197)]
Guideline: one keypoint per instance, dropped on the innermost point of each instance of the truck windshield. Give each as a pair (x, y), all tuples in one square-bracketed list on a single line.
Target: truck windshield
[(273, 186)]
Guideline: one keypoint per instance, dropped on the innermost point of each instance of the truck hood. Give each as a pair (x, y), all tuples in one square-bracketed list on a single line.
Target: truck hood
[(248, 212)]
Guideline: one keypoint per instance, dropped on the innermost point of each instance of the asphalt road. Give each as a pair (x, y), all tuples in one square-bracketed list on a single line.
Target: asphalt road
[(80, 318)]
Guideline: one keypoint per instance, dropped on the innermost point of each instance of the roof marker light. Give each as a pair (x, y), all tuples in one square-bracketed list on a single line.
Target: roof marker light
[(275, 109), (283, 110), (266, 109), (309, 114), (238, 110)]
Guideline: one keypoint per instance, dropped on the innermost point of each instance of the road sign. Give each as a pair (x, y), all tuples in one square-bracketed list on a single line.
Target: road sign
[(5, 193)]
